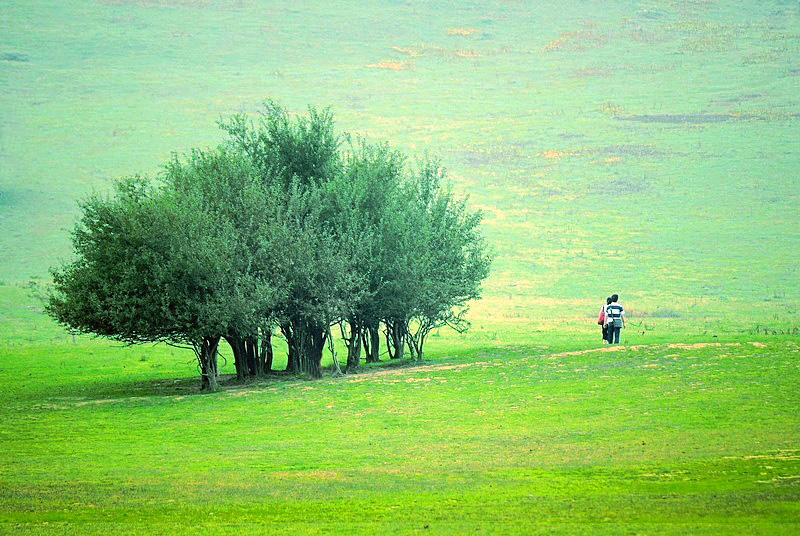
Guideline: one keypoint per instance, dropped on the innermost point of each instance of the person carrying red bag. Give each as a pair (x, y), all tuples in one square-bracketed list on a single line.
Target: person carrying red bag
[(601, 320)]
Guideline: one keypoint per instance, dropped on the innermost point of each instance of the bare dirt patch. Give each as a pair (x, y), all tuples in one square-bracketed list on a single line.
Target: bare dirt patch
[(576, 40), (462, 31), (408, 51), (392, 65), (683, 346), (607, 152)]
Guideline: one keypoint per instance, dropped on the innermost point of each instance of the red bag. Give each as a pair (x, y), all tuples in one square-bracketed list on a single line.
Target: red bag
[(602, 318)]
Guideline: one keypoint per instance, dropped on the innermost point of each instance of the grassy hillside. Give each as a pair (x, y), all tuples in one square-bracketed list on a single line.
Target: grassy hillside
[(645, 148), (667, 438)]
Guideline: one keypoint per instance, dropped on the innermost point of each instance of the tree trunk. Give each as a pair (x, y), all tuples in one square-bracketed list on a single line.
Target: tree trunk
[(314, 344), (311, 337), (306, 340), (239, 361), (395, 338), (415, 345), (208, 364), (250, 352), (353, 344), (292, 344), (371, 339), (417, 340)]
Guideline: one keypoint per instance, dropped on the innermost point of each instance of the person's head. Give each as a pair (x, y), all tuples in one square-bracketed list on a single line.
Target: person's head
[(608, 300), (614, 297)]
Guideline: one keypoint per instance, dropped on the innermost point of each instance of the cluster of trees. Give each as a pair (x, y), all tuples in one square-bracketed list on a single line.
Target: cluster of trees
[(286, 226)]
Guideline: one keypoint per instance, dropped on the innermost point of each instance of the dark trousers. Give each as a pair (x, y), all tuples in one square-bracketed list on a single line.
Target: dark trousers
[(605, 332), (613, 334)]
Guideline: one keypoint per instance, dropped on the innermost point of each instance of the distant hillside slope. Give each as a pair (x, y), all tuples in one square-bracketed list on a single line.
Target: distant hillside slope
[(651, 152)]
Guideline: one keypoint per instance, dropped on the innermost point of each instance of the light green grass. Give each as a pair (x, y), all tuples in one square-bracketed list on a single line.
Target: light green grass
[(658, 438)]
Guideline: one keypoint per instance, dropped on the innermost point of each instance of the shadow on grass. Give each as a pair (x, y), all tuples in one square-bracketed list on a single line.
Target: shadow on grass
[(137, 392)]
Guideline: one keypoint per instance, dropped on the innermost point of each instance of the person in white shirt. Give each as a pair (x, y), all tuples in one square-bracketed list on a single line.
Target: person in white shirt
[(615, 319)]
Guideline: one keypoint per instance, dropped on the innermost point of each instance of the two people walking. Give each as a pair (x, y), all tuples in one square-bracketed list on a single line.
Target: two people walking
[(611, 319)]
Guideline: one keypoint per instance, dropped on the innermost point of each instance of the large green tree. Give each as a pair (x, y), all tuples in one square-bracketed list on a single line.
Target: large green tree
[(151, 266), (278, 227), (369, 210), (446, 258), (321, 275), (224, 183), (300, 162)]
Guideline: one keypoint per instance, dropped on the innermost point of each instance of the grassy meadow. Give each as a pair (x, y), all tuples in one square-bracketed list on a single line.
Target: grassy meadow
[(645, 148)]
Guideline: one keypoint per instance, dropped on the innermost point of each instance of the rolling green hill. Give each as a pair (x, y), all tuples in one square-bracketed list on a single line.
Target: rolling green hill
[(647, 148)]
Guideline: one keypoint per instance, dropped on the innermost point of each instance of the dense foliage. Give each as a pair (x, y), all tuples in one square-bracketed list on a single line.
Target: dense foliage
[(287, 225)]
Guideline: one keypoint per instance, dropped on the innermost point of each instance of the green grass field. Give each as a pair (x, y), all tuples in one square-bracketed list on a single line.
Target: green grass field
[(645, 148), (664, 438)]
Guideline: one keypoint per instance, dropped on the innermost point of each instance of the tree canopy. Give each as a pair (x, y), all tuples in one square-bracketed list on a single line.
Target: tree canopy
[(286, 225)]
